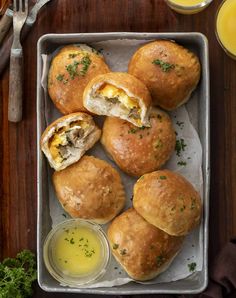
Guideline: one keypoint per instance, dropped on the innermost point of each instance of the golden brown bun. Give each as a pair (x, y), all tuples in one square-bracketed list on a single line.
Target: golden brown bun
[(77, 139), (143, 250), (170, 88), (65, 91), (139, 150), (168, 201), (90, 189), (128, 83)]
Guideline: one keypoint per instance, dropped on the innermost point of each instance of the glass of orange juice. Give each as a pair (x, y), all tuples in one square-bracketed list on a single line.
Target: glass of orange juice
[(188, 6), (226, 27)]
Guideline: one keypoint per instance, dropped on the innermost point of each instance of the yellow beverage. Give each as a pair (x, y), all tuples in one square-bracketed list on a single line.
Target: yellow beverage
[(188, 6), (77, 251), (226, 26)]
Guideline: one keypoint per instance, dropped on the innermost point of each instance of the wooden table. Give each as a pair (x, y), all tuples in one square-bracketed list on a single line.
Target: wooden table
[(18, 202)]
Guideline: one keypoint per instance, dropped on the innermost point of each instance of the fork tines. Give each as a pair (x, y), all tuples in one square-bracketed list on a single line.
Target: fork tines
[(20, 5)]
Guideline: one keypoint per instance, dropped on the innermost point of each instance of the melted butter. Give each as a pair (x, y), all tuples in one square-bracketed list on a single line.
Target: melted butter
[(111, 91), (77, 251)]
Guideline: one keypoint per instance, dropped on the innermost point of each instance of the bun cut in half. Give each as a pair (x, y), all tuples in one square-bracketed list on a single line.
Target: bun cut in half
[(168, 201), (139, 150), (170, 71), (70, 71), (67, 139), (143, 250), (90, 189), (119, 95)]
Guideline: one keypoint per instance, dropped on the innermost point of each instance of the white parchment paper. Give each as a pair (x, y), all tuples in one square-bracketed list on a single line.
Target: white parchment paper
[(117, 54)]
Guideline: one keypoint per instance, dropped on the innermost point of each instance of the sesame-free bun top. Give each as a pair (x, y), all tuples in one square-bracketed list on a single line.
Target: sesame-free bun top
[(70, 71), (118, 94), (67, 139), (168, 201), (90, 189), (170, 71), (139, 150), (143, 250)]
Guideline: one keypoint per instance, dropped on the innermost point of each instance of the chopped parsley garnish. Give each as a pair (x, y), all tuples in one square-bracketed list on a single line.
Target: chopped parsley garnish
[(163, 177), (72, 241), (73, 55), (182, 208), (160, 260), (192, 267), (158, 144), (180, 146), (193, 203), (60, 77), (181, 163), (180, 124), (134, 130), (165, 66), (64, 215), (115, 246), (72, 69), (86, 61), (123, 252)]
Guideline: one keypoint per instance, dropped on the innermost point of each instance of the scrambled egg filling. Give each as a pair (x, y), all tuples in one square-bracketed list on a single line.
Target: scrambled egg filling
[(116, 95), (65, 138)]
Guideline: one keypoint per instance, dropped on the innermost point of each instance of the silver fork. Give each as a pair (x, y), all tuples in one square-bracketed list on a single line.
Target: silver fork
[(20, 12)]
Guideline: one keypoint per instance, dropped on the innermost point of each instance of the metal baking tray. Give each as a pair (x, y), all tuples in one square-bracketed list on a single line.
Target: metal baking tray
[(197, 282)]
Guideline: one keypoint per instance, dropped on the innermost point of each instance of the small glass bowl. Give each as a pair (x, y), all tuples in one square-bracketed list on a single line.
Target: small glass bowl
[(231, 55), (78, 280), (184, 9)]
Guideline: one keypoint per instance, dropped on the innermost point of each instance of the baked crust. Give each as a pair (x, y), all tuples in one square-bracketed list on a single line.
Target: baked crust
[(65, 87), (128, 83), (91, 135), (168, 201), (143, 250), (90, 189), (171, 84), (139, 150)]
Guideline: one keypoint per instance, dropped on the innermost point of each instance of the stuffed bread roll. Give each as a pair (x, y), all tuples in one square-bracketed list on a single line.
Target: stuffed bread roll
[(67, 139), (120, 95), (70, 71)]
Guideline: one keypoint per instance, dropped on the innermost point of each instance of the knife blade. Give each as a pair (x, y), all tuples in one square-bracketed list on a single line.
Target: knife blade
[(6, 47)]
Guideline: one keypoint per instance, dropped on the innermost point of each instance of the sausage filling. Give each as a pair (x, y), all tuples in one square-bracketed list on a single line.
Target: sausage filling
[(67, 140), (117, 96)]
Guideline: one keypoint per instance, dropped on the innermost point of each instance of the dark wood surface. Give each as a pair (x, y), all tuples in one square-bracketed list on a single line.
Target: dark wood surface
[(18, 202)]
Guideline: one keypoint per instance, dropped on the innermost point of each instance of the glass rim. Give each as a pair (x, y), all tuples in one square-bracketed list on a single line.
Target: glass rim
[(83, 280), (233, 56), (192, 7)]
